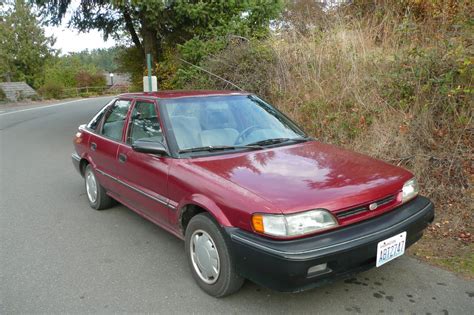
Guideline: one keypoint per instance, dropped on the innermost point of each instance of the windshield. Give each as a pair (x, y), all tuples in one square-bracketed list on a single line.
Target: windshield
[(217, 121)]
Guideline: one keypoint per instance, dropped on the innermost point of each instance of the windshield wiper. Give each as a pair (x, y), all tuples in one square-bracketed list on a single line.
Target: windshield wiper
[(280, 140), (211, 148)]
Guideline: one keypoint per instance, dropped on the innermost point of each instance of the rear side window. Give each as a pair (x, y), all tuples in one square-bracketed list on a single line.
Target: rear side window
[(115, 120)]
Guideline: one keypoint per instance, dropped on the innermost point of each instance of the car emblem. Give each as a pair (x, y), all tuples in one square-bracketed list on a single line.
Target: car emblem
[(373, 206)]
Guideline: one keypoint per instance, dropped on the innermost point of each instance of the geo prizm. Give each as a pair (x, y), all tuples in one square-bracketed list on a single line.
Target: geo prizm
[(252, 195)]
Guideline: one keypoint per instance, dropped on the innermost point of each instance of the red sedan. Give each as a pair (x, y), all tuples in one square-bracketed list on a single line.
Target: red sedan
[(252, 196)]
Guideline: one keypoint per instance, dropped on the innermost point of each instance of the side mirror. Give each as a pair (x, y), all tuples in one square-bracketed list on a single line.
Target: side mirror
[(149, 147)]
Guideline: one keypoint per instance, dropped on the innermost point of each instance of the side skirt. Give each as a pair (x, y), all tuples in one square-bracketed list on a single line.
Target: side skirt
[(142, 214)]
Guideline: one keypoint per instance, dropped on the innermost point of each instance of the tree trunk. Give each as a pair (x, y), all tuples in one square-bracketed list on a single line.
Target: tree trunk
[(150, 41), (131, 29)]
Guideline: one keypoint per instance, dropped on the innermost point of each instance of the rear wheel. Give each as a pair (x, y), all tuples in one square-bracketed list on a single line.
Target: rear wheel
[(96, 194), (209, 257)]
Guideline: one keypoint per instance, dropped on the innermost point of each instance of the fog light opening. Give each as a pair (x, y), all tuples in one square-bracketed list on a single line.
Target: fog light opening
[(318, 270)]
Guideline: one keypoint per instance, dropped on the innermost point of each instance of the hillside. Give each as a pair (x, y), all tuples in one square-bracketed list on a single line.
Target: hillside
[(394, 81)]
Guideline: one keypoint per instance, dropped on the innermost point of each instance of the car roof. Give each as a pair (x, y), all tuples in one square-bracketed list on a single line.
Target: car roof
[(182, 93)]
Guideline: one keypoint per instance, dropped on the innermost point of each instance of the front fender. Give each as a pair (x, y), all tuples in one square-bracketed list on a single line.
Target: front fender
[(207, 204)]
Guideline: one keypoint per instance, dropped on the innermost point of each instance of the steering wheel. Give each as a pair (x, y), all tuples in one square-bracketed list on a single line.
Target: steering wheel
[(244, 133)]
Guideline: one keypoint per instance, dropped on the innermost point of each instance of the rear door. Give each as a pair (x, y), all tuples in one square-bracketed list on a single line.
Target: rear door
[(145, 175), (104, 144)]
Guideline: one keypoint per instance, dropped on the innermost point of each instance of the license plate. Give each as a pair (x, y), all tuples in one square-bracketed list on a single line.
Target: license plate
[(391, 248)]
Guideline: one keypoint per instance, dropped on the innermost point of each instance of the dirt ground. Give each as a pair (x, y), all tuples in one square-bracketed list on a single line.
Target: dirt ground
[(449, 241)]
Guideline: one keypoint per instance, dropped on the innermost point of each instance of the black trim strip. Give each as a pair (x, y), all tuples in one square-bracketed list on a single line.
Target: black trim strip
[(365, 208), (165, 201)]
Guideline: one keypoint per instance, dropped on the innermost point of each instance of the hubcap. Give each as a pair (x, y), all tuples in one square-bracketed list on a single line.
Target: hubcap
[(91, 186), (204, 256)]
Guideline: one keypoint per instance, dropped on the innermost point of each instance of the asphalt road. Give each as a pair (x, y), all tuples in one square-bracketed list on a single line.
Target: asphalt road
[(58, 255)]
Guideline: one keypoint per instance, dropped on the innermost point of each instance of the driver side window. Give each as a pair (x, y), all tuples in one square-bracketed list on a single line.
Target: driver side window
[(144, 124)]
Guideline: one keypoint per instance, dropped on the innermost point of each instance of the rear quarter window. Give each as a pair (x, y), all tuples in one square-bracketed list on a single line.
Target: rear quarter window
[(95, 122), (114, 120)]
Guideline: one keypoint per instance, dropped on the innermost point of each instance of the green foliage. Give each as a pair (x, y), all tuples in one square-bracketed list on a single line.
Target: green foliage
[(128, 60), (62, 71), (166, 70), (52, 90), (173, 22), (198, 28), (442, 76), (24, 48), (218, 18), (87, 79), (247, 64), (69, 72), (103, 59), (195, 50), (193, 78), (25, 55)]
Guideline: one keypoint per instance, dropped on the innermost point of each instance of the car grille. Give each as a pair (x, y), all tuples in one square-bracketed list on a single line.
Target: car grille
[(350, 212)]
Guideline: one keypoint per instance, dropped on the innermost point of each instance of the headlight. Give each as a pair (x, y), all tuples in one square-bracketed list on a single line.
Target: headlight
[(410, 190), (293, 224)]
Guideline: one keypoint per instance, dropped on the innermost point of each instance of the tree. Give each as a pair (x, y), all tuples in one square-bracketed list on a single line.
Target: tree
[(102, 58), (24, 48), (304, 15), (152, 25)]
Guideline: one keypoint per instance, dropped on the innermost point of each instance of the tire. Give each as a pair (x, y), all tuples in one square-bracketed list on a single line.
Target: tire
[(94, 189), (203, 230)]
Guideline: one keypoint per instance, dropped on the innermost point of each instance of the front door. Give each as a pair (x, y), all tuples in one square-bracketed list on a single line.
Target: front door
[(144, 175)]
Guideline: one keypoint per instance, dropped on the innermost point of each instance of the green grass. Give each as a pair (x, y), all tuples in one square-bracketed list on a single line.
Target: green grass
[(463, 265), (459, 261)]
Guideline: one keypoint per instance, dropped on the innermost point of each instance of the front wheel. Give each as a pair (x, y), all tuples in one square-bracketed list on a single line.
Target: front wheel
[(209, 257), (96, 194)]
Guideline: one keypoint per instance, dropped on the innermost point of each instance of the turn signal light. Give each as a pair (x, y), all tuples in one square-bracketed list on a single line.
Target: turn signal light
[(257, 223), (78, 138)]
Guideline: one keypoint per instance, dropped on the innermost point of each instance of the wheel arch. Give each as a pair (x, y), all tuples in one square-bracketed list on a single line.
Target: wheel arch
[(82, 166), (199, 204), (85, 160)]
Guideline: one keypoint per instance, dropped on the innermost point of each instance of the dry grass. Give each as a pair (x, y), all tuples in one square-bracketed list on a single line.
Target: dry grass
[(339, 86)]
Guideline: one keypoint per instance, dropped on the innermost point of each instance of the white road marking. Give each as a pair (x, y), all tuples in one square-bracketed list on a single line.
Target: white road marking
[(2, 113)]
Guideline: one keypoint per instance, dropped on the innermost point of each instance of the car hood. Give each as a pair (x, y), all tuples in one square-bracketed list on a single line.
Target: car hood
[(308, 175)]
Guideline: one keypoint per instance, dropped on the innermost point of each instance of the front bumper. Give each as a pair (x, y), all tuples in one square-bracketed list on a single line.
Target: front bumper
[(283, 265)]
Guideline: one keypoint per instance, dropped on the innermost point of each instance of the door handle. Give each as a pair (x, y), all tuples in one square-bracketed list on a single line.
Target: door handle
[(122, 158), (93, 146)]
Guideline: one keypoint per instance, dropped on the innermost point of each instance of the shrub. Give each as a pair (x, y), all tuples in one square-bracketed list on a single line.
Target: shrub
[(248, 64), (35, 97), (88, 79), (51, 90)]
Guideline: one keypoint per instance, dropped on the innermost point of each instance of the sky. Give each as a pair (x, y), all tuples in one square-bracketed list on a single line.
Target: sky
[(69, 40)]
